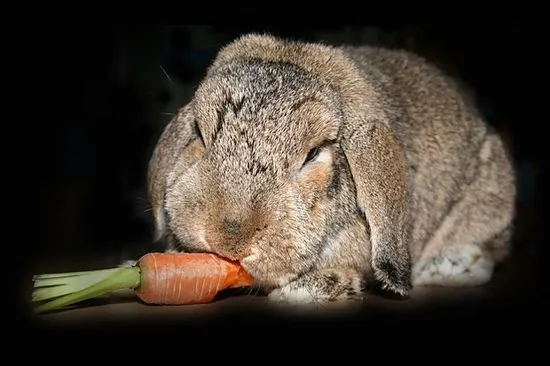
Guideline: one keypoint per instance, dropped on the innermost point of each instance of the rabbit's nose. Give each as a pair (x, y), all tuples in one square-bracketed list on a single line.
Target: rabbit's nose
[(232, 227), (232, 238)]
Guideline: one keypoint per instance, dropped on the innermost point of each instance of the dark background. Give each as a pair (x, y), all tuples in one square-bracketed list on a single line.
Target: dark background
[(111, 89)]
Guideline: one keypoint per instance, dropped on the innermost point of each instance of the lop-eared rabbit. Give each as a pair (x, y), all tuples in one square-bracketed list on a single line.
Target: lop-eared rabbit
[(325, 170)]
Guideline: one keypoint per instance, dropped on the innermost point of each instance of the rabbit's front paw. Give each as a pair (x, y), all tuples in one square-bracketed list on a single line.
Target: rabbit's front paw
[(321, 286), (292, 295)]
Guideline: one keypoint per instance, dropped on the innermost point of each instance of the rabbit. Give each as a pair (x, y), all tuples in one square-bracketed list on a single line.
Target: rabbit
[(327, 170)]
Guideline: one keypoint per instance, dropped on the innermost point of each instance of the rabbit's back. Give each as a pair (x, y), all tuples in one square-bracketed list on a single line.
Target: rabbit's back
[(431, 113), (438, 124)]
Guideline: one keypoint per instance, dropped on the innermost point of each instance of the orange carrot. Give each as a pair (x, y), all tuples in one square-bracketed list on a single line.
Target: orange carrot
[(191, 278), (157, 278)]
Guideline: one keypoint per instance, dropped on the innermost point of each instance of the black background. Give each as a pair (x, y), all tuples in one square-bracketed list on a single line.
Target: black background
[(95, 141)]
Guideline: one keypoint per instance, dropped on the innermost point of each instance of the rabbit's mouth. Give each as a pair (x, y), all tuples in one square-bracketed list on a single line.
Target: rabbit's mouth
[(190, 247)]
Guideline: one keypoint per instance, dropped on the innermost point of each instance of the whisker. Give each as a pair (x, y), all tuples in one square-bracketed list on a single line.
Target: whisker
[(254, 290), (166, 74)]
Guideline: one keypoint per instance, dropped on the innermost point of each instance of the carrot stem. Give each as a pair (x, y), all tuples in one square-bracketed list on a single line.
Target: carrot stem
[(49, 286), (80, 286)]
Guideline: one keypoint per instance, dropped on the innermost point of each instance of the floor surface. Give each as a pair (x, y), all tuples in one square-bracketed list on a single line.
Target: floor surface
[(514, 290)]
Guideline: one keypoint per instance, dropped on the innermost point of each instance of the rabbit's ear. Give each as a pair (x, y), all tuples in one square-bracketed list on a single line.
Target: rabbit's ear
[(179, 145), (377, 166)]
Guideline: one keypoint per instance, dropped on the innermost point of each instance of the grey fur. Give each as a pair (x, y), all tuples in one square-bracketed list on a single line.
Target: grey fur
[(408, 171)]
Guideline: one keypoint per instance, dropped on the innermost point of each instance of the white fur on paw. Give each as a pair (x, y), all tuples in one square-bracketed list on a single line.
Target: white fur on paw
[(459, 266), (292, 295)]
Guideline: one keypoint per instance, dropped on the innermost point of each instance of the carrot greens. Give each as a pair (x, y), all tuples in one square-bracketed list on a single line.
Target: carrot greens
[(55, 291)]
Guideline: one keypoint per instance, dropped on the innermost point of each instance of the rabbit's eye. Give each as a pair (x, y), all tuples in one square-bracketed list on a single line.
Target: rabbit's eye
[(312, 154)]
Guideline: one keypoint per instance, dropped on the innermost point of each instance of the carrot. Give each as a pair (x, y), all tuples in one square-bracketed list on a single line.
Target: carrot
[(187, 278), (157, 278)]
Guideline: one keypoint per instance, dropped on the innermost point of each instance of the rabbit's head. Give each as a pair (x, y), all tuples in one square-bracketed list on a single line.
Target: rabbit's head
[(256, 168)]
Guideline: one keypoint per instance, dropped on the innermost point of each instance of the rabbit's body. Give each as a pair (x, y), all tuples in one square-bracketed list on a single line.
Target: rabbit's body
[(323, 168), (461, 178)]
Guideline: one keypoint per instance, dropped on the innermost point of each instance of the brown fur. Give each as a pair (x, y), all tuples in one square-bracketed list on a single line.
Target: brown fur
[(407, 171)]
